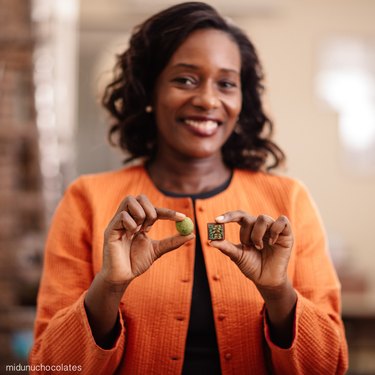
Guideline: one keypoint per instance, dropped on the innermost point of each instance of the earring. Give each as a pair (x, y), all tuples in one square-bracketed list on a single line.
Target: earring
[(237, 129), (148, 109)]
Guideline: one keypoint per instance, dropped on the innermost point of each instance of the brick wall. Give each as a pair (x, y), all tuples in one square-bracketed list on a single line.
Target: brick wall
[(21, 202)]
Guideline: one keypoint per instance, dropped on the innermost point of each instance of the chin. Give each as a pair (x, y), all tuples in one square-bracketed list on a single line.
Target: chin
[(201, 154)]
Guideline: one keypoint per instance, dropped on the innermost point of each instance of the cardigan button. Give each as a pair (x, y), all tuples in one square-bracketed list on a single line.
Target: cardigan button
[(221, 317), (180, 318), (185, 280), (228, 356), (175, 358), (216, 277), (200, 209)]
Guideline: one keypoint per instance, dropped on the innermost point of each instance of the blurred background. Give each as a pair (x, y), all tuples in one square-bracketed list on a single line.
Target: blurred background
[(55, 58)]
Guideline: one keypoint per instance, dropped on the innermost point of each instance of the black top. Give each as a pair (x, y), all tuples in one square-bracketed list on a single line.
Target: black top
[(201, 351)]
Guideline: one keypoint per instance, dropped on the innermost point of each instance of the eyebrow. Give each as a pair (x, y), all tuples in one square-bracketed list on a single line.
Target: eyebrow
[(195, 67)]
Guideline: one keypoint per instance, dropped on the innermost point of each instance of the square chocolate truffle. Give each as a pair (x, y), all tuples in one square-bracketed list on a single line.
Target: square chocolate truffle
[(215, 231)]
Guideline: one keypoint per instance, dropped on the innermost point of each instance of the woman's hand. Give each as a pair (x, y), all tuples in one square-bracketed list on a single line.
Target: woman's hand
[(265, 247), (263, 256), (128, 251)]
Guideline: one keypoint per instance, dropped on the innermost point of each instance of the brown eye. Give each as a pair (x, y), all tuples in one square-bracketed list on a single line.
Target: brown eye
[(185, 81), (227, 84)]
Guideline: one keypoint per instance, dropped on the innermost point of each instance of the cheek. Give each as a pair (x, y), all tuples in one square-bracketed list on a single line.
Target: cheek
[(234, 104), (234, 107), (171, 99), (167, 106)]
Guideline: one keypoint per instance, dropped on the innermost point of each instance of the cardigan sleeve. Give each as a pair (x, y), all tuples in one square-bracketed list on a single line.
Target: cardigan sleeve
[(319, 344), (62, 334)]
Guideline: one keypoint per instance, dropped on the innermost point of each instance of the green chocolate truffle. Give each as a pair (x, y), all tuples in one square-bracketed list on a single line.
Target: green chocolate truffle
[(185, 227)]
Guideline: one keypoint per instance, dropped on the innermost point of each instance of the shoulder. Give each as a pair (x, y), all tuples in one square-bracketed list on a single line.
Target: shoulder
[(269, 181), (106, 180), (97, 186), (283, 192), (280, 195)]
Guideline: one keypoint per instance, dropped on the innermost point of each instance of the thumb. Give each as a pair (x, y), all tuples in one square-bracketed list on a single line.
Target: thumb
[(228, 248), (167, 244)]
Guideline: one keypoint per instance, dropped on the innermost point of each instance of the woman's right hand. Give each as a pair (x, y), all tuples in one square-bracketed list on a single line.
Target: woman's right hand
[(128, 251)]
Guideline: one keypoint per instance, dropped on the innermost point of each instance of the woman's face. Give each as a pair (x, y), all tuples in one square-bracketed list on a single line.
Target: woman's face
[(198, 95)]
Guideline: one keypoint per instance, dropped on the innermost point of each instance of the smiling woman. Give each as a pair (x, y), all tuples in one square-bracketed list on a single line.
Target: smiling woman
[(187, 99), (142, 66), (197, 101)]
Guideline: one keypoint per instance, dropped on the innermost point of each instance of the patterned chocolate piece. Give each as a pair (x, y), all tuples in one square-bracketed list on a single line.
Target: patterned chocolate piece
[(215, 231)]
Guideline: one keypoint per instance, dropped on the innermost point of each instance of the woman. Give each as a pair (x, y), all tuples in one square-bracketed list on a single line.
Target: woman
[(121, 293)]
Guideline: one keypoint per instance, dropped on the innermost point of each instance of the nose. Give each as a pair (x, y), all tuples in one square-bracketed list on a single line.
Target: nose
[(206, 97)]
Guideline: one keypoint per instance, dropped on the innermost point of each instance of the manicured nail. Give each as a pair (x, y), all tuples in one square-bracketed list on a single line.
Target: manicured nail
[(259, 247), (219, 218), (180, 215)]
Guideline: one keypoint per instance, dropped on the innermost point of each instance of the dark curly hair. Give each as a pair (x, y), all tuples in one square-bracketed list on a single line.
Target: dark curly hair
[(151, 46)]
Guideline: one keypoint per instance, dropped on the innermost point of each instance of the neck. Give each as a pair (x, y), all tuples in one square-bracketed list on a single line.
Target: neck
[(182, 176)]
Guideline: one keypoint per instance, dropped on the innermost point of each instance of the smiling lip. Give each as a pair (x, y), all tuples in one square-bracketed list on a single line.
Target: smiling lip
[(202, 126)]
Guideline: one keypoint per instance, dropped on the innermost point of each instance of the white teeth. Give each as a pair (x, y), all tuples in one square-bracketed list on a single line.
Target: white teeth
[(206, 125)]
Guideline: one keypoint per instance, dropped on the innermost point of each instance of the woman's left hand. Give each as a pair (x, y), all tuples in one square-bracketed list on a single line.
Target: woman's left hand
[(265, 247)]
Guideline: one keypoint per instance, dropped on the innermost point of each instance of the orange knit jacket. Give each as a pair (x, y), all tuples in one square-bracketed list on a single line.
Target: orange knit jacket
[(154, 311)]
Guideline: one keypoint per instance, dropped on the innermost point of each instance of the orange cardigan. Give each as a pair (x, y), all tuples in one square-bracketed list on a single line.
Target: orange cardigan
[(154, 310)]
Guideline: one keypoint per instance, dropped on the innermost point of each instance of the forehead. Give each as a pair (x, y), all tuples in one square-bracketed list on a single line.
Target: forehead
[(208, 47)]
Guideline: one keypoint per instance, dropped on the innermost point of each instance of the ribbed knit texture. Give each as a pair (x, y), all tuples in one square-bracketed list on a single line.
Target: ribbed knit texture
[(156, 306)]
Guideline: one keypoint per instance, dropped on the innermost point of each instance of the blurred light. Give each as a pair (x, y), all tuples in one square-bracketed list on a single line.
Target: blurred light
[(44, 94), (346, 82), (66, 9), (351, 92), (44, 10), (43, 64), (46, 118), (54, 78), (41, 10)]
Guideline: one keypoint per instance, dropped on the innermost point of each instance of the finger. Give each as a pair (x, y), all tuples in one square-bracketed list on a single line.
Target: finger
[(123, 222), (234, 252), (135, 210), (280, 226), (171, 243), (242, 218), (149, 210), (232, 216), (124, 204), (261, 225), (247, 224), (168, 214)]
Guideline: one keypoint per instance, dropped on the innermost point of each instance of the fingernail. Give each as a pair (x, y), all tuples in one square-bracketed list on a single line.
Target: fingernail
[(271, 241), (259, 247), (219, 218), (147, 229), (180, 215)]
